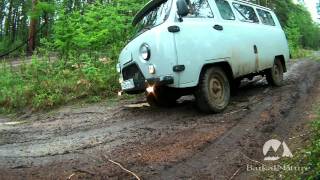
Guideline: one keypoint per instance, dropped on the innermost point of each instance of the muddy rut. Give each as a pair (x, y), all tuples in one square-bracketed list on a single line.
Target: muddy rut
[(176, 143)]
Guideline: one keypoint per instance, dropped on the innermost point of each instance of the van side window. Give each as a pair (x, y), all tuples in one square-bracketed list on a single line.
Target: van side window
[(246, 13), (266, 17), (225, 10), (199, 9)]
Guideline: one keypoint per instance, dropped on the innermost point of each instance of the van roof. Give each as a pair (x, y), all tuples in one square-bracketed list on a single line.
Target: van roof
[(253, 4), (154, 3)]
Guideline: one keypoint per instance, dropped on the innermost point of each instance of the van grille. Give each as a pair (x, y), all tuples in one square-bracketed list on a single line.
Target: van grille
[(133, 72)]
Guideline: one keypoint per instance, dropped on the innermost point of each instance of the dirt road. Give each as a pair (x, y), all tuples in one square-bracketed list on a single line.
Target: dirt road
[(176, 143)]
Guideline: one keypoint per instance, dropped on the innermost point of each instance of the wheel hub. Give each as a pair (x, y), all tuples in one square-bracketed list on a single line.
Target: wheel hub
[(216, 89), (277, 72)]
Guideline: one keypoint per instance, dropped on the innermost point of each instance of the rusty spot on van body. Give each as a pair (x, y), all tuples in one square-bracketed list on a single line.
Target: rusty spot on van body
[(255, 49), (257, 62)]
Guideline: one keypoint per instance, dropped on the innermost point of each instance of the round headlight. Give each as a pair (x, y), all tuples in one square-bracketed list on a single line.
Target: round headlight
[(145, 52)]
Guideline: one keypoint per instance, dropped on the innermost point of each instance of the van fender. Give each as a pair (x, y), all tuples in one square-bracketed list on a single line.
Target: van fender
[(225, 65), (281, 58)]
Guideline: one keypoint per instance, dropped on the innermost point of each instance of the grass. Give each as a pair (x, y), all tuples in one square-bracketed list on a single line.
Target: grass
[(301, 53), (307, 158), (315, 57), (43, 84)]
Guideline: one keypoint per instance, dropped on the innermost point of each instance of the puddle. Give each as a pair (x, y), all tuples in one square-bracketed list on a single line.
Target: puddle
[(140, 105), (11, 123)]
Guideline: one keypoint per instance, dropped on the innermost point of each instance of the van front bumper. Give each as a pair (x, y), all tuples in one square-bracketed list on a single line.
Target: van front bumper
[(159, 81), (133, 81)]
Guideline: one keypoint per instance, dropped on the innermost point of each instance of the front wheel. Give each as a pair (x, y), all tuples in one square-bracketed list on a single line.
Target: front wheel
[(213, 92), (275, 74)]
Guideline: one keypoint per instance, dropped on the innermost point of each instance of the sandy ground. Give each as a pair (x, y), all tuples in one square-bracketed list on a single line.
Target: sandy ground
[(178, 143)]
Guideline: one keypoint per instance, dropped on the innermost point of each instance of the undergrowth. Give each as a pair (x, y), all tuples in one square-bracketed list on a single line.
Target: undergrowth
[(306, 161), (42, 84)]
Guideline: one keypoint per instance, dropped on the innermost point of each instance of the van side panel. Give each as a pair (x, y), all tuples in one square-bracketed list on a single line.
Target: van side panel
[(198, 44), (283, 48)]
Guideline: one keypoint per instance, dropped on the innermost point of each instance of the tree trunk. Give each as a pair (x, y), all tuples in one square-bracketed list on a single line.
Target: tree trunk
[(32, 30), (2, 14), (8, 20), (46, 24), (14, 25)]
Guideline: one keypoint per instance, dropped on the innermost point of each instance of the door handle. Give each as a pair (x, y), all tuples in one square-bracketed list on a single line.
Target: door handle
[(218, 27)]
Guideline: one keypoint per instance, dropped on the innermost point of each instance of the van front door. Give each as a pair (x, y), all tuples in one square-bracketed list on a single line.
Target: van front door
[(196, 41)]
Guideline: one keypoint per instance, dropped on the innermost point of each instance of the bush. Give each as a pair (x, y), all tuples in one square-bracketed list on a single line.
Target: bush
[(302, 32), (43, 84), (306, 158), (88, 41), (101, 28), (313, 153)]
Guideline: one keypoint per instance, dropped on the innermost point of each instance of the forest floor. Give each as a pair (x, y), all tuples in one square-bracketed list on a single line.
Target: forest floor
[(77, 141)]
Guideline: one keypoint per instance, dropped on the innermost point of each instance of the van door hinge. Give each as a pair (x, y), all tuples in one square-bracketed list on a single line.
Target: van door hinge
[(173, 29)]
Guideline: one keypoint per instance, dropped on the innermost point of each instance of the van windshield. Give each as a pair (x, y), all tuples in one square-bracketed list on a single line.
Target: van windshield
[(156, 16)]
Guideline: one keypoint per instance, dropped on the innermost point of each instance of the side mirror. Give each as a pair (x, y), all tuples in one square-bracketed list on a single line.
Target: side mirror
[(182, 7)]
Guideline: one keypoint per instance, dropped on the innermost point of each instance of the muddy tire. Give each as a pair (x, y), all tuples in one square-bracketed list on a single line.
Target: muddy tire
[(213, 92), (275, 74), (163, 97)]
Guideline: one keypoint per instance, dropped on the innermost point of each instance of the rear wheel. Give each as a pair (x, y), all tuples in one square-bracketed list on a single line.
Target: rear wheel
[(275, 74), (213, 92), (163, 97)]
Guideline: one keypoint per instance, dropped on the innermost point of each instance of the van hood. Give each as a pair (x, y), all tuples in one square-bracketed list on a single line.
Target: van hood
[(125, 56)]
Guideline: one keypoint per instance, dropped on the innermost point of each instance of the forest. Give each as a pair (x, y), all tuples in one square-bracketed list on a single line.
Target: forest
[(74, 45), (58, 56)]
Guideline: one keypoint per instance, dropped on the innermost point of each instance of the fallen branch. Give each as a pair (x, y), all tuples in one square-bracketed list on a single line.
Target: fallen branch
[(118, 164), (234, 175), (69, 178)]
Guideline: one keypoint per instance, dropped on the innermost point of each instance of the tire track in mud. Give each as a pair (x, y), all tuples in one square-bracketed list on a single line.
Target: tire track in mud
[(158, 143), (276, 115)]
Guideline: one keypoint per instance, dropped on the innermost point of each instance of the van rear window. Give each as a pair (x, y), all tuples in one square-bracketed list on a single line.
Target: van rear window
[(199, 9), (266, 17), (225, 10), (246, 13)]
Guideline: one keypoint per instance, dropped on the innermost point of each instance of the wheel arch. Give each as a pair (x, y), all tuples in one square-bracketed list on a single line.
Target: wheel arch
[(283, 61), (223, 64)]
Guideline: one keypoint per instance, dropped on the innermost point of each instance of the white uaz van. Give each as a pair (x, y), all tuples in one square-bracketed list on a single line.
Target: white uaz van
[(204, 47)]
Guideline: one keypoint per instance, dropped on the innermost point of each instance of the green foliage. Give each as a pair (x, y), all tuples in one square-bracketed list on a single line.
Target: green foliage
[(100, 28), (88, 40), (313, 155), (301, 31), (293, 35), (41, 8), (43, 84), (7, 45), (306, 158)]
